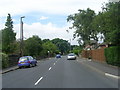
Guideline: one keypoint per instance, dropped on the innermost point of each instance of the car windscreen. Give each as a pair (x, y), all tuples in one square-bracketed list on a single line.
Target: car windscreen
[(23, 59)]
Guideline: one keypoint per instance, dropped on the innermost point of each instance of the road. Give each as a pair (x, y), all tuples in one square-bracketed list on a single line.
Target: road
[(58, 73)]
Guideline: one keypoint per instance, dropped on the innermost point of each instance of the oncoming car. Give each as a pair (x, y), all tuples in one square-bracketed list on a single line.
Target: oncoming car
[(71, 56), (27, 61)]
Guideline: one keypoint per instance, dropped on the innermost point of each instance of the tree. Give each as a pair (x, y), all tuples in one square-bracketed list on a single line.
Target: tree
[(8, 36), (62, 45), (49, 48), (82, 22), (107, 23), (33, 46)]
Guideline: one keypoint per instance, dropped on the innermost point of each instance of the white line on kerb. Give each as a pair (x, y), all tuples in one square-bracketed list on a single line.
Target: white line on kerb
[(50, 68), (38, 80), (114, 76)]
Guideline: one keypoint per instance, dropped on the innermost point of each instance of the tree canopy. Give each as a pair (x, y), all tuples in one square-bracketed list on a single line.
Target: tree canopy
[(8, 36), (90, 26)]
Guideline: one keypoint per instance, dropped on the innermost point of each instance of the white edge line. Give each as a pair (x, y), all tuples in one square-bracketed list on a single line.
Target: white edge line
[(38, 80), (114, 76), (50, 68)]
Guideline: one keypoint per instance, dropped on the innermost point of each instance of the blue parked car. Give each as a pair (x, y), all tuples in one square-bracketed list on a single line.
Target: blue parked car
[(58, 56), (27, 61)]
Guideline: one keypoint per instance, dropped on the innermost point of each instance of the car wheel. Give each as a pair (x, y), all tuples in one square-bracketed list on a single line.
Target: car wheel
[(19, 67), (35, 64), (30, 66)]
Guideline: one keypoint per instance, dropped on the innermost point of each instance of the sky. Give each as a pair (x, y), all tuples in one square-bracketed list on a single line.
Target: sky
[(45, 18)]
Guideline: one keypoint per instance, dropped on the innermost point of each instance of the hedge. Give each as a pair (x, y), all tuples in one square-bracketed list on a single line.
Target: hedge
[(5, 62), (112, 55)]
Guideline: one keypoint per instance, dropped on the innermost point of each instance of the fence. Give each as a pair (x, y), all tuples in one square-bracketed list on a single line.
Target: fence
[(97, 54), (13, 60)]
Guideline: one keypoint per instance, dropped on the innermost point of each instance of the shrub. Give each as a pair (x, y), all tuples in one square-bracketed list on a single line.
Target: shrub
[(5, 62), (112, 55)]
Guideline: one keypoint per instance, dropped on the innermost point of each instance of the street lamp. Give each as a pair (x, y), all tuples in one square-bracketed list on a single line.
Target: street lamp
[(21, 35), (69, 39)]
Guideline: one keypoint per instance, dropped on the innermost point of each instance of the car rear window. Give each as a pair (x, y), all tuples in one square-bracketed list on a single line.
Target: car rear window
[(23, 59), (71, 54)]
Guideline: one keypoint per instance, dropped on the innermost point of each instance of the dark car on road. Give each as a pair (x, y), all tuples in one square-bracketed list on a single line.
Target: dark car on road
[(58, 56), (27, 61)]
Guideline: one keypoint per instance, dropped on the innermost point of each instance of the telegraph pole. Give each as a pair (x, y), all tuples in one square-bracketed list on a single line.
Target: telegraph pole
[(21, 35)]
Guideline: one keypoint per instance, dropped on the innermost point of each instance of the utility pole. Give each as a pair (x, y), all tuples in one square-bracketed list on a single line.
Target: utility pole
[(70, 45), (21, 35)]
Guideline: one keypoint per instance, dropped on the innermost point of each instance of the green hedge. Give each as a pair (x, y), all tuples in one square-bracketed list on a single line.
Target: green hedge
[(5, 62), (112, 55)]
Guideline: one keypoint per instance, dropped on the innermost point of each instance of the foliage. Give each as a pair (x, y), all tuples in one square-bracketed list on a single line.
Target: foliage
[(8, 36), (108, 23), (77, 50), (33, 46), (62, 45), (5, 62), (82, 23), (112, 55), (49, 48)]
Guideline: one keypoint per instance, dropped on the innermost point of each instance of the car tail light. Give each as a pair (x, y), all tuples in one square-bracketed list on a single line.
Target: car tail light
[(28, 62)]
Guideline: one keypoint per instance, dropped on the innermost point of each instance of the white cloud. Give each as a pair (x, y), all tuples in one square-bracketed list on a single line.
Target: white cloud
[(45, 31), (43, 18), (19, 7)]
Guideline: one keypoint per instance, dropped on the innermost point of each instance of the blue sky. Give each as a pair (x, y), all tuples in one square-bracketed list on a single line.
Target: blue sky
[(45, 18)]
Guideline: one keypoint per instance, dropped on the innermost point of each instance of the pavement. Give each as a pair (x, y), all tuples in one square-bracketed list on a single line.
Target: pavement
[(63, 73), (16, 67)]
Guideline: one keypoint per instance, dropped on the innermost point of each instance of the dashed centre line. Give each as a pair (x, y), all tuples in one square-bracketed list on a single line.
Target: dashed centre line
[(38, 81), (42, 77), (50, 68)]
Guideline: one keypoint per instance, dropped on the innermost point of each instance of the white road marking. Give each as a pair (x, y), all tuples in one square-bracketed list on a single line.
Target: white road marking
[(114, 76), (50, 68), (38, 81), (54, 63)]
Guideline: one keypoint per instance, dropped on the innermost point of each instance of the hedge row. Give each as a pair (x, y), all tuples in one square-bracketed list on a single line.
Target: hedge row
[(112, 55), (5, 62)]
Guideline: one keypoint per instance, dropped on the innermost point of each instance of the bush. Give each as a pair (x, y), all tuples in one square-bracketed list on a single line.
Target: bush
[(112, 55), (5, 62)]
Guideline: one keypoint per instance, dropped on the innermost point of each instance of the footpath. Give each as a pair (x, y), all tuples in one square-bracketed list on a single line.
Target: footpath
[(15, 67), (101, 67)]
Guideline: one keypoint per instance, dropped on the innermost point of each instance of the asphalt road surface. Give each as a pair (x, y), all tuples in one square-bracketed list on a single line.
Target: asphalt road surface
[(57, 73)]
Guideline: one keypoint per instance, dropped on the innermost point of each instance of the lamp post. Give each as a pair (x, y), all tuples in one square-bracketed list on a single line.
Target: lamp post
[(21, 35), (69, 39)]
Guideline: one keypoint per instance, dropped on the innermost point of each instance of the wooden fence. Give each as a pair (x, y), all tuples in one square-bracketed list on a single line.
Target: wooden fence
[(97, 54)]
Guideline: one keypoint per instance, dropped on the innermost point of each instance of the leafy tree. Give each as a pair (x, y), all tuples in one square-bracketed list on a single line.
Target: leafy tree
[(107, 22), (49, 48), (77, 49), (62, 45), (33, 46), (8, 36), (45, 40), (82, 23)]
